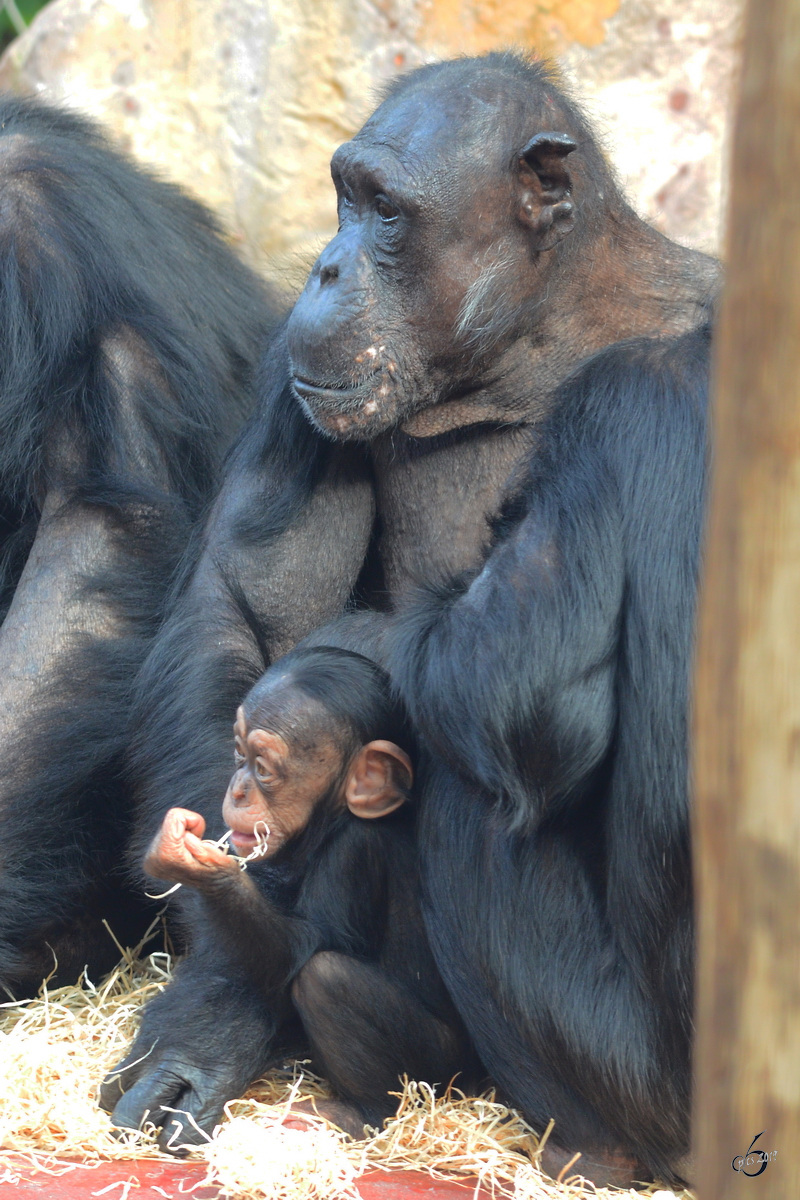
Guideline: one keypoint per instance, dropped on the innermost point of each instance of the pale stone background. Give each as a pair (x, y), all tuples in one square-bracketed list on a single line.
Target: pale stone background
[(243, 101)]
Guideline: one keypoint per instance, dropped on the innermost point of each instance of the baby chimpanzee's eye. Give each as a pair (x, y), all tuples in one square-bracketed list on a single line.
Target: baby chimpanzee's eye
[(263, 772), (238, 759)]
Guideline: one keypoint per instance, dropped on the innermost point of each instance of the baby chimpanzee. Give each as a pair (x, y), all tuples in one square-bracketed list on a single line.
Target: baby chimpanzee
[(326, 922)]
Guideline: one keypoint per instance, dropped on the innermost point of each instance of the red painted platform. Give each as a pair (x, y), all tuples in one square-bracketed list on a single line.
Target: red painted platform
[(151, 1180)]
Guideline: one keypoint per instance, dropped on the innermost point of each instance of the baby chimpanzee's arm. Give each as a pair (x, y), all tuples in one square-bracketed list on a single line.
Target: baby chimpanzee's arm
[(223, 1018), (239, 924)]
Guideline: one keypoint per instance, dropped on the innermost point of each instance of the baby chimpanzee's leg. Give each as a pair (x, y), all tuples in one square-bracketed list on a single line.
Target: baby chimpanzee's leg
[(367, 1030)]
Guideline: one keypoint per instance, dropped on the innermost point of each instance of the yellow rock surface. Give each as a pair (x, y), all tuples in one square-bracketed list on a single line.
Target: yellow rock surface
[(243, 101)]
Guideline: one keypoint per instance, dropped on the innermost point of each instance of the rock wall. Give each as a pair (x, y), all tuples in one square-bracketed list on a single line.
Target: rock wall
[(660, 88), (243, 101)]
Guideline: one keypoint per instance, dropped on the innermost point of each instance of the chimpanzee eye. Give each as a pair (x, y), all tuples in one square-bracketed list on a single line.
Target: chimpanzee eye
[(238, 759), (385, 210), (263, 773)]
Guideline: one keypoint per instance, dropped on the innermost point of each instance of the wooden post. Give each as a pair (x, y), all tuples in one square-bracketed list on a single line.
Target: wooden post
[(747, 701)]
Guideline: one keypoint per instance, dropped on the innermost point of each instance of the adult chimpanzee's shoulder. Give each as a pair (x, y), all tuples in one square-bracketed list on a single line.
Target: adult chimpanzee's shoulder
[(640, 407), (629, 425), (134, 276), (636, 379), (637, 404), (46, 153), (655, 426)]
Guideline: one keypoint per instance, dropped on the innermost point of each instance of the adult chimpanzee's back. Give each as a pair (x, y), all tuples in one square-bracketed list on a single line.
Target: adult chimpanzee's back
[(128, 333), (487, 426)]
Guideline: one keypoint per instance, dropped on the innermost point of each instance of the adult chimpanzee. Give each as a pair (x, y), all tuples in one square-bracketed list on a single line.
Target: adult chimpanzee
[(128, 331), (326, 926), (488, 421)]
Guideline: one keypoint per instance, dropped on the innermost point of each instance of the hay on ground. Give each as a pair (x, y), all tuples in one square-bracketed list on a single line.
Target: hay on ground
[(55, 1050)]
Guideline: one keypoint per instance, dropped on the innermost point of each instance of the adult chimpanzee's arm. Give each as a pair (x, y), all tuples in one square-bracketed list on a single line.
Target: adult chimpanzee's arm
[(201, 1043), (563, 926), (219, 1022), (510, 676), (128, 333), (280, 554)]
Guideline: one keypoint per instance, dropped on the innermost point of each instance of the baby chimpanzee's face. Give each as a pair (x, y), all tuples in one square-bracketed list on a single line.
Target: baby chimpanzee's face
[(277, 785)]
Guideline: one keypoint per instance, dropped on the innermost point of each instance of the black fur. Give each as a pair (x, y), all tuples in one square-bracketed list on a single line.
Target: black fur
[(326, 954), (554, 832), (558, 794), (129, 333), (344, 928), (549, 684), (193, 680)]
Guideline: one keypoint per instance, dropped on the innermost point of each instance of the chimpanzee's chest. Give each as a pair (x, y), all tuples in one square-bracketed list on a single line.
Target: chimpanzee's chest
[(436, 496)]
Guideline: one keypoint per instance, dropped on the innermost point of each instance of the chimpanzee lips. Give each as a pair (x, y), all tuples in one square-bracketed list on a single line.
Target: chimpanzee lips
[(337, 399), (240, 838), (355, 413)]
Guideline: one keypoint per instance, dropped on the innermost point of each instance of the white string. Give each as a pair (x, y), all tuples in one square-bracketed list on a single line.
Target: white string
[(261, 847), (259, 850)]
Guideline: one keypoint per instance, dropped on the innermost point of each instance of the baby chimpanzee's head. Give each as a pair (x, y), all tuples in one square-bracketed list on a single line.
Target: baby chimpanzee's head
[(321, 726)]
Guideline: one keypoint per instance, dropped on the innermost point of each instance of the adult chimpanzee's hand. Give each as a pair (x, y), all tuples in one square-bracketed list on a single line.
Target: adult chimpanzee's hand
[(201, 1043)]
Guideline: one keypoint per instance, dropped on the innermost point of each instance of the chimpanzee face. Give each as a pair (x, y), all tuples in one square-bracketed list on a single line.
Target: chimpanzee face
[(279, 786), (275, 787), (437, 223)]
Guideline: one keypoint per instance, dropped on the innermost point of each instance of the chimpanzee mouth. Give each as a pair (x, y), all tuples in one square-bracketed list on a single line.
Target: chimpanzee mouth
[(333, 397)]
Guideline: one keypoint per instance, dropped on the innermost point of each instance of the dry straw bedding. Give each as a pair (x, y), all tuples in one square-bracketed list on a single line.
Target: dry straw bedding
[(55, 1050)]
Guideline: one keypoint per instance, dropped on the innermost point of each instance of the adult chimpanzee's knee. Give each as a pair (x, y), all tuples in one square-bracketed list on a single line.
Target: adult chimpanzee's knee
[(128, 332), (324, 975)]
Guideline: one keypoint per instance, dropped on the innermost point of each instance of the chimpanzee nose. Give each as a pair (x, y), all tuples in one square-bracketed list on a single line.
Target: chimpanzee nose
[(327, 265), (238, 786), (330, 321)]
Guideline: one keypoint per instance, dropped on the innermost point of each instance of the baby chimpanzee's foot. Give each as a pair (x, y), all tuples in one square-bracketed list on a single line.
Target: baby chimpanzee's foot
[(603, 1168), (335, 1112)]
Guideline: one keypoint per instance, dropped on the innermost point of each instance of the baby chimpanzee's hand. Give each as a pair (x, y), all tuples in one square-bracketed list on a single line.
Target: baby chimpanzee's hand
[(179, 855)]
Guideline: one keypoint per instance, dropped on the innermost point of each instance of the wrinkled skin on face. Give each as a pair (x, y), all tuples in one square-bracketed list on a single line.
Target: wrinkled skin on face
[(443, 209), (272, 793), (274, 787)]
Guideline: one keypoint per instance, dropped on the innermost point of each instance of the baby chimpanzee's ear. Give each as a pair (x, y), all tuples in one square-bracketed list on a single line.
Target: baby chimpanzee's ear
[(379, 779)]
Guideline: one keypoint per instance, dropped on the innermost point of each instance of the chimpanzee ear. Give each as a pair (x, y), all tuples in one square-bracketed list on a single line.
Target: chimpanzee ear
[(378, 780), (546, 185), (545, 154)]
